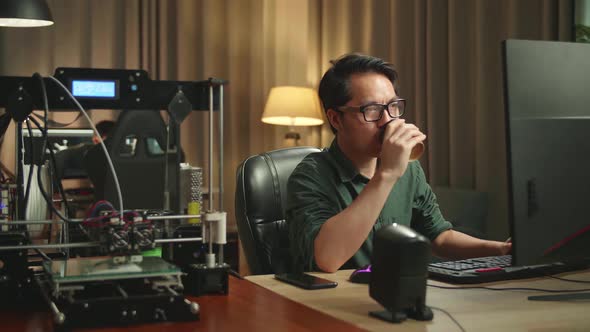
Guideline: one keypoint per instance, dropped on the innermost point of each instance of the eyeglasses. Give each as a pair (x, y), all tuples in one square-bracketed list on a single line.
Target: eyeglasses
[(374, 112)]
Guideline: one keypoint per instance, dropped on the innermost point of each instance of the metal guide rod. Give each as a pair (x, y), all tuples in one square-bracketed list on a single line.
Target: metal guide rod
[(31, 222), (220, 148), (87, 244), (211, 147), (177, 216), (20, 195), (78, 220), (51, 246), (58, 316), (210, 236), (175, 240)]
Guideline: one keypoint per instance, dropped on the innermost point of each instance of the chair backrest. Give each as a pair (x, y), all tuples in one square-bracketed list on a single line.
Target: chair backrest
[(136, 145), (260, 208), (466, 209)]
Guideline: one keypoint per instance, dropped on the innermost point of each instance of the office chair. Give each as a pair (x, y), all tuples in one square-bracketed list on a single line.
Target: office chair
[(136, 145), (260, 208), (466, 209)]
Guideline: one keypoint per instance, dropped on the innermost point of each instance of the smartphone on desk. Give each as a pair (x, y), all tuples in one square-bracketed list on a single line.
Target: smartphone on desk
[(306, 281)]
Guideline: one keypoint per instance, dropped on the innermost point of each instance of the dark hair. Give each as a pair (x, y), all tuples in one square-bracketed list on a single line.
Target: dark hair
[(334, 90), (104, 127)]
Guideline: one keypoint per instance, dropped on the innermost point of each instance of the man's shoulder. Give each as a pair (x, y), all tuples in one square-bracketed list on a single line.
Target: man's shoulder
[(315, 162), (415, 170)]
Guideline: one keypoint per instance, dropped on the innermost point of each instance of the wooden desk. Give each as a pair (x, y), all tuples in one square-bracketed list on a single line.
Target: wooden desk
[(475, 309), (248, 307)]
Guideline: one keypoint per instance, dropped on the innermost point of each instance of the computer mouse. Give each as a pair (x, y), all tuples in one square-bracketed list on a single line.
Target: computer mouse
[(361, 276)]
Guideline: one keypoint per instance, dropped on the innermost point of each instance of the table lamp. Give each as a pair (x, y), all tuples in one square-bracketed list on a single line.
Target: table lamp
[(292, 106), (25, 13)]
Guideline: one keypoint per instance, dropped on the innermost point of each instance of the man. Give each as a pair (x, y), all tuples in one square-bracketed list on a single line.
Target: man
[(339, 197), (104, 128)]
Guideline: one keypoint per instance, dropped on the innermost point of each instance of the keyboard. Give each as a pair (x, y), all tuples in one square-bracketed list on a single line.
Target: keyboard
[(478, 264), (488, 269)]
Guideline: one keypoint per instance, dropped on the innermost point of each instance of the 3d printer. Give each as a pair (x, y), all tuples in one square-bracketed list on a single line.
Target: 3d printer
[(94, 264)]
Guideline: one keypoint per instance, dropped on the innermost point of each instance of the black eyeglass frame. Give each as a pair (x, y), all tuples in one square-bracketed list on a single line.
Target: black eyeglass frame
[(384, 107)]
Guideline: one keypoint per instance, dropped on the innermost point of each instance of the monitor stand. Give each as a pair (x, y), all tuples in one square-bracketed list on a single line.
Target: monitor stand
[(581, 296)]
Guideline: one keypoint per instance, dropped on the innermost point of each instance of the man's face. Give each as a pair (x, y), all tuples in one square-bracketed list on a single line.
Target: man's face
[(354, 133)]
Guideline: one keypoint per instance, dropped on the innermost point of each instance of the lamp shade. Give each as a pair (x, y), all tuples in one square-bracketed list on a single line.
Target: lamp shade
[(292, 106), (25, 13)]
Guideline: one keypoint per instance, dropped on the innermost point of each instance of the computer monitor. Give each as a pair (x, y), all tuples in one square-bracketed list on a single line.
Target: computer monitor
[(60, 138), (547, 99), (68, 144)]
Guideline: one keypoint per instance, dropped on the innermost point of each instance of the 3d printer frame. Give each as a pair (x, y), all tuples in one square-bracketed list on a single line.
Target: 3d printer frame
[(115, 89)]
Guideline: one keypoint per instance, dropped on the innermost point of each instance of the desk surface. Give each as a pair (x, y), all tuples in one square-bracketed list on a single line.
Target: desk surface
[(474, 309), (248, 307)]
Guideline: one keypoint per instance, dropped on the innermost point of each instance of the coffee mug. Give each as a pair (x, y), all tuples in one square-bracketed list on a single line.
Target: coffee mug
[(417, 150)]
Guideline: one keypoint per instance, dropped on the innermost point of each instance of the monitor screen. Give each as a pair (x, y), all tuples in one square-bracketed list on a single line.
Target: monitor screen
[(68, 144), (547, 99)]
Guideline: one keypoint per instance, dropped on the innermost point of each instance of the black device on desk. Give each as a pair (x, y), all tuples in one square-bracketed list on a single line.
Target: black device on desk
[(306, 281), (399, 273)]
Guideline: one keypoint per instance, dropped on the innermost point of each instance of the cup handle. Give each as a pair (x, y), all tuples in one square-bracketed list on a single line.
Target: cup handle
[(417, 151)]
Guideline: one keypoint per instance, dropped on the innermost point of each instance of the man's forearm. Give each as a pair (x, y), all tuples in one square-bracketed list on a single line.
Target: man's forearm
[(456, 245), (343, 234)]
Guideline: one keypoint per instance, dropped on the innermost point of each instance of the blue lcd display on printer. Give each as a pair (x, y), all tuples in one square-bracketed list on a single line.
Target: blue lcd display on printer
[(94, 89)]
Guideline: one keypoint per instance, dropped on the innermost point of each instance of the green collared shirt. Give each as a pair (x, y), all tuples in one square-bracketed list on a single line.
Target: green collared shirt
[(326, 182)]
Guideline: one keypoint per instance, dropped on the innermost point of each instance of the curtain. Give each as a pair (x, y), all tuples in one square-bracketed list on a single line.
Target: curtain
[(448, 56), (447, 53)]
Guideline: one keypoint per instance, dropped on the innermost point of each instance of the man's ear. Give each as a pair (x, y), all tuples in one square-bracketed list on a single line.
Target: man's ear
[(335, 119)]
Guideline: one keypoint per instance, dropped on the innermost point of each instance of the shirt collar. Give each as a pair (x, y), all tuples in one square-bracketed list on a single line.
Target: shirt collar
[(344, 166)]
